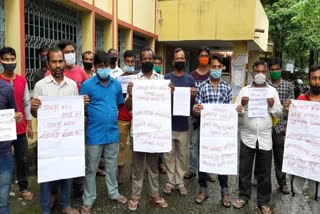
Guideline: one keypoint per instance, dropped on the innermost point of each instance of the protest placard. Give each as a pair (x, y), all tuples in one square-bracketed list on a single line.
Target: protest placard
[(258, 105), (181, 101), (302, 143), (151, 116), (124, 80), (218, 139), (60, 138), (7, 125)]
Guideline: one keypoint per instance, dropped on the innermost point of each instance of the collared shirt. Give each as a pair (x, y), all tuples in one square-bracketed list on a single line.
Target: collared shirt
[(102, 110), (116, 72), (49, 87), (285, 91), (207, 94), (154, 76), (258, 128), (6, 102)]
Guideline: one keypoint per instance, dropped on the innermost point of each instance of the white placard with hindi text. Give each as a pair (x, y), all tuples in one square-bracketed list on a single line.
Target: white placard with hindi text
[(7, 125), (181, 101), (302, 143), (258, 105), (61, 143), (218, 139), (151, 116), (124, 80)]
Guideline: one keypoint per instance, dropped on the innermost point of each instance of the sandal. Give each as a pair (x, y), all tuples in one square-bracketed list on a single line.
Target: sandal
[(226, 201), (121, 199), (265, 209), (26, 195), (167, 190), (133, 204), (201, 197), (85, 209), (70, 210), (239, 203), (183, 191), (159, 202)]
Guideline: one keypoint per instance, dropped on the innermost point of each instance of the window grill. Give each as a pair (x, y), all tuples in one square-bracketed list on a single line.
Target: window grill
[(46, 23), (99, 35), (2, 24)]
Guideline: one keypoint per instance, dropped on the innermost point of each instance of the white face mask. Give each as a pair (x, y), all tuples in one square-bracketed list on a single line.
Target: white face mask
[(70, 58), (260, 78)]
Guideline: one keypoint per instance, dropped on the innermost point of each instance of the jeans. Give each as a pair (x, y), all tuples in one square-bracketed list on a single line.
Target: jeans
[(223, 182), (93, 154), (6, 170), (45, 194), (262, 173), (194, 150), (20, 146)]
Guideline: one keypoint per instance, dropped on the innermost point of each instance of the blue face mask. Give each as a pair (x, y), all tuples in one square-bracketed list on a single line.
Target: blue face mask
[(128, 69), (103, 73), (215, 74)]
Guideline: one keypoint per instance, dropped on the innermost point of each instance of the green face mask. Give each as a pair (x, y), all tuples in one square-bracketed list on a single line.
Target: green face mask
[(275, 74), (157, 69)]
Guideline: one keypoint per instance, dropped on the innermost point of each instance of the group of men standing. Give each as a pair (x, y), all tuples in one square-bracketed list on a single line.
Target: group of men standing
[(108, 124)]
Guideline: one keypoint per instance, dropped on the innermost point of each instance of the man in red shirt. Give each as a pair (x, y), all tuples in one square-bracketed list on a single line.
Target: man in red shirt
[(297, 183), (22, 99)]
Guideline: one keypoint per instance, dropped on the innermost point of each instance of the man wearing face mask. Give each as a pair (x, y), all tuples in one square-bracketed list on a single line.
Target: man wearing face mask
[(39, 75), (256, 141), (72, 71), (102, 134), (124, 116), (213, 90), (176, 159), (21, 94), (200, 74), (87, 61), (157, 62), (285, 91), (55, 84), (140, 159), (115, 70)]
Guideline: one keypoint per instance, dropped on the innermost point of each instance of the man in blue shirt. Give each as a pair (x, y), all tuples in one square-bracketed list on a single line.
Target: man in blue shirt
[(102, 134), (176, 159), (213, 90), (6, 163)]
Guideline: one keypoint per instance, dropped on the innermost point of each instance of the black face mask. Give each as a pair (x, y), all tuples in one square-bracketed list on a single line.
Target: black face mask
[(179, 65), (9, 66), (87, 65), (315, 89), (147, 66), (113, 60)]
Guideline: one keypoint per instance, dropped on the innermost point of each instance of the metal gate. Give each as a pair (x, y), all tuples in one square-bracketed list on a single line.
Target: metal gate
[(46, 23)]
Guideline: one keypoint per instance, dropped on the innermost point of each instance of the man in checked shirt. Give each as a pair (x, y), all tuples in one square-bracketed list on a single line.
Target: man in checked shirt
[(213, 90), (285, 91)]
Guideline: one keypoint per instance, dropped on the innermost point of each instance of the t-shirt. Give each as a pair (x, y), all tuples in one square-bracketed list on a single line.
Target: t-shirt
[(199, 78), (180, 123), (6, 102), (77, 74)]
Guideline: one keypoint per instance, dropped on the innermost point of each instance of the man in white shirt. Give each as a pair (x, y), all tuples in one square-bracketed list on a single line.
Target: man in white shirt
[(256, 140), (115, 71)]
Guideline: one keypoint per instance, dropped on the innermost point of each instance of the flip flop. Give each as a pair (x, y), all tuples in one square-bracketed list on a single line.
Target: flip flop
[(160, 202), (26, 195), (133, 205), (239, 203), (226, 201), (201, 197), (168, 190), (183, 191)]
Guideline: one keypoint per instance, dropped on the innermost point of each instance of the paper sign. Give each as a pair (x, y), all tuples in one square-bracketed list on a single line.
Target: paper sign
[(218, 139), (181, 101), (258, 105), (7, 125), (124, 80), (151, 116), (302, 143), (60, 138)]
